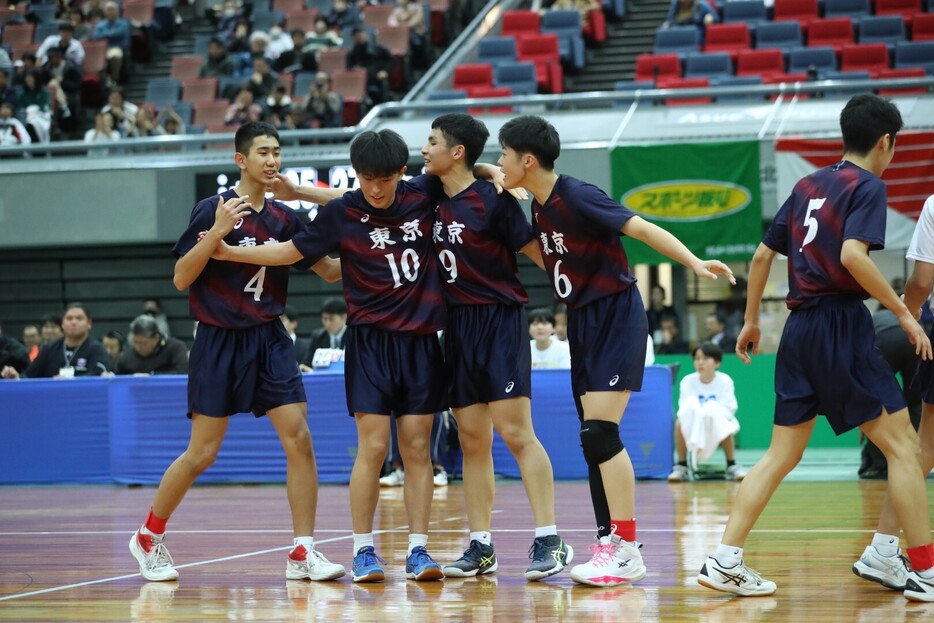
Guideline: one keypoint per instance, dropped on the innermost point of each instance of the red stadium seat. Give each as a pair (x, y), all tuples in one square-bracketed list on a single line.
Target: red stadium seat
[(651, 67), (729, 38), (870, 57), (834, 33), (545, 52), (521, 24)]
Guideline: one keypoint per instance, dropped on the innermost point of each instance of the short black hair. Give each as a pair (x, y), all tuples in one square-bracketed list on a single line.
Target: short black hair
[(530, 134), (66, 26), (249, 131), (52, 318), (378, 154), (80, 306), (116, 335), (865, 119), (145, 325), (540, 314), (462, 129), (561, 308), (709, 349), (337, 306)]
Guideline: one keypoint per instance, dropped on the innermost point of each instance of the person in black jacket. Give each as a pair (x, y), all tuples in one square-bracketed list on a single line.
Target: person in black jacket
[(150, 352), (376, 60), (12, 353), (76, 354)]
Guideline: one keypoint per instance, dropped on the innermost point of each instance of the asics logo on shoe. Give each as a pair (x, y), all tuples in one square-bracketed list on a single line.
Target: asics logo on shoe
[(560, 555), (510, 387), (733, 578), (621, 564), (614, 380), (487, 560)]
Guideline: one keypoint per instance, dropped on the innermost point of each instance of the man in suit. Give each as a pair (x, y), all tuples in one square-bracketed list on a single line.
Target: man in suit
[(716, 333), (334, 326), (290, 321)]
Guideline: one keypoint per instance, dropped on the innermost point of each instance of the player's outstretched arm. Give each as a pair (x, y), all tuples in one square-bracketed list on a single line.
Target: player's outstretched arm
[(854, 255), (918, 287), (669, 246), (189, 266), (494, 175), (276, 254), (328, 269), (284, 189), (748, 340)]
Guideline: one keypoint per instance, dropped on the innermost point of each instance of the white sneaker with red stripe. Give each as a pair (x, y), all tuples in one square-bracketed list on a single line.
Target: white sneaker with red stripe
[(311, 565), (614, 562), (155, 562)]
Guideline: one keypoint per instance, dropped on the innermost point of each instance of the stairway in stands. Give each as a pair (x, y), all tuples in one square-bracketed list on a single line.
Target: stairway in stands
[(616, 59)]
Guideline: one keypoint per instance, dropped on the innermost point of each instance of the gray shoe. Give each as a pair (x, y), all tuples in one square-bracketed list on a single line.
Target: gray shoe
[(549, 556)]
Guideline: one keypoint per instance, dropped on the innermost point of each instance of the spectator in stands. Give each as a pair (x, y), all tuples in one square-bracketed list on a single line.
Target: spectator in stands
[(561, 322), (51, 328), (12, 353), (171, 122), (259, 44), (324, 106), (152, 307), (7, 91), (279, 42), (12, 130), (226, 15), (218, 64), (151, 352), (343, 15), (717, 333), (290, 322), (145, 124), (671, 342), (656, 311), (696, 13), (94, 10), (28, 62), (296, 58), (76, 354), (124, 112), (278, 105), (63, 79), (64, 41), (263, 79), (376, 60), (102, 132), (32, 339), (36, 101), (323, 37), (331, 334), (238, 39), (244, 108), (114, 344), (411, 14), (82, 30), (116, 31), (547, 350), (298, 118)]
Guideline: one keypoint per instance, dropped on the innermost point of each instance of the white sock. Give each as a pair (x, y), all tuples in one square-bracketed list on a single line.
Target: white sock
[(484, 537), (885, 544), (541, 531), (361, 540), (148, 532), (308, 542), (417, 539), (728, 555)]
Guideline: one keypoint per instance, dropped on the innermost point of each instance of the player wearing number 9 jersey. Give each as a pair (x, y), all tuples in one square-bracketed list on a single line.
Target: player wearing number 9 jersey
[(578, 229)]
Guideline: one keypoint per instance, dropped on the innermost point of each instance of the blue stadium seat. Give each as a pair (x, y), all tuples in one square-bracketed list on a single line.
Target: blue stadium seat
[(183, 110), (567, 25), (753, 12), (45, 13), (709, 65), (43, 30), (915, 54), (162, 91), (617, 8), (453, 94), (303, 82), (823, 59), (844, 76), (677, 40), (785, 35), (736, 81), (846, 8), (496, 50), (888, 29), (202, 44), (519, 77), (630, 86)]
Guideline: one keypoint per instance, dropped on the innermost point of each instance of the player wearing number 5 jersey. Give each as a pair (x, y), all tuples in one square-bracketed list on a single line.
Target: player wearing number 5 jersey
[(242, 359), (827, 361), (578, 229)]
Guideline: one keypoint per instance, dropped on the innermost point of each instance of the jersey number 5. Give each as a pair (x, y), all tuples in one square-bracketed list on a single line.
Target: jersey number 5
[(811, 221)]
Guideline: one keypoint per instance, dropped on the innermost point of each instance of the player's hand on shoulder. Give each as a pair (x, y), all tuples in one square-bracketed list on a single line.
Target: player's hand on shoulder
[(748, 341), (709, 269), (284, 189), (229, 213)]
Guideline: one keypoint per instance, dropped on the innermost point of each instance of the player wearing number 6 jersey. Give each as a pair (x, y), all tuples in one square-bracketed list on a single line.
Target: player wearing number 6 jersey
[(578, 228), (827, 361), (242, 359)]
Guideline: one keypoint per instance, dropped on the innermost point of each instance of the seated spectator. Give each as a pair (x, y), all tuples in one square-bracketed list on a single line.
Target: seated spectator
[(150, 352), (411, 14), (94, 10), (116, 31), (153, 308), (289, 319), (63, 79), (12, 130), (8, 93), (259, 44), (76, 354), (51, 328), (171, 122), (263, 79), (218, 64), (32, 339), (671, 342), (12, 353), (243, 109), (64, 41), (114, 343), (28, 62), (102, 132), (561, 322), (82, 30), (376, 60), (124, 112), (145, 125), (716, 333), (225, 16), (547, 350), (296, 58), (238, 39), (36, 101), (690, 13), (323, 37), (279, 42), (324, 106), (332, 332), (343, 15), (278, 105), (656, 310), (297, 118)]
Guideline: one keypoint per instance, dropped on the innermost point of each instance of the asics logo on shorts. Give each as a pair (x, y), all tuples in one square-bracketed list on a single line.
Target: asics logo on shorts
[(614, 380), (510, 387)]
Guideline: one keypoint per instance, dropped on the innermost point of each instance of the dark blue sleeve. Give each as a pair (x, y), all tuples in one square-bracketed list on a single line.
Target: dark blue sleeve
[(292, 227), (322, 235), (597, 207), (202, 219), (865, 220), (512, 225), (429, 185), (776, 238)]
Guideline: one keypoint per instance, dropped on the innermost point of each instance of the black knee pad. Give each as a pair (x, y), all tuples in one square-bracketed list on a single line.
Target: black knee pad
[(600, 441)]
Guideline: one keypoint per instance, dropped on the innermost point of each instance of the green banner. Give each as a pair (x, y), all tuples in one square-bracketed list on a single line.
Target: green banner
[(706, 194)]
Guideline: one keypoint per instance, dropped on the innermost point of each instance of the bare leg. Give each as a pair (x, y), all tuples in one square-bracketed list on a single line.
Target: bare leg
[(888, 522), (729, 448), (301, 473), (475, 432), (680, 445), (415, 448), (372, 445)]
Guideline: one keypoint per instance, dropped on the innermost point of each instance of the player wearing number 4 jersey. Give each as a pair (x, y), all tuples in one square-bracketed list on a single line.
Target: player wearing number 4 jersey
[(578, 228), (827, 361), (242, 359)]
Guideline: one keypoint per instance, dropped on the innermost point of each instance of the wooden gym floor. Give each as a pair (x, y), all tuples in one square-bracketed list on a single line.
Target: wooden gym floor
[(63, 557)]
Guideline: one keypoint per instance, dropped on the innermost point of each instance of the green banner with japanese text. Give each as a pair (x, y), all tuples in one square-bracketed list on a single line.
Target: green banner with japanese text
[(706, 194)]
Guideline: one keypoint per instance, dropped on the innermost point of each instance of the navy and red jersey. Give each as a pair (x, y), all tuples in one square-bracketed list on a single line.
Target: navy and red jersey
[(578, 230), (477, 234), (833, 204), (388, 261), (232, 295)]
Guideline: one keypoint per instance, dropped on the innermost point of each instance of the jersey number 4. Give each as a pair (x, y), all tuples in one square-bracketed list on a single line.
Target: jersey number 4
[(255, 285), (811, 221)]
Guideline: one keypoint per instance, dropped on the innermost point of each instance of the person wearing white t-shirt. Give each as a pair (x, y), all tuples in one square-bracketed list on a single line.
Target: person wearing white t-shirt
[(706, 415), (547, 350)]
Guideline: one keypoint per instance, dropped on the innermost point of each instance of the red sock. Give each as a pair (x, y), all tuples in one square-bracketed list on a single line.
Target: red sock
[(921, 557), (624, 529), (155, 524)]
